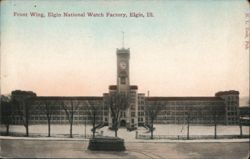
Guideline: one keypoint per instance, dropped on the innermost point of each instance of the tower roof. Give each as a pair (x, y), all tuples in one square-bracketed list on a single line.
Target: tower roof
[(122, 51), (231, 92)]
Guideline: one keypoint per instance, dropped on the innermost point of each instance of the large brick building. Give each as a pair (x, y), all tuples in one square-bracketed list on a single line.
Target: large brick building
[(201, 110)]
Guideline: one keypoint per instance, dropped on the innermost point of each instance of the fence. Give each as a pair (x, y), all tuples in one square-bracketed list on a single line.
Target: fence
[(184, 137)]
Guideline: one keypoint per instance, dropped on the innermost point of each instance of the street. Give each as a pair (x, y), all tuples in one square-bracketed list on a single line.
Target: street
[(33, 148)]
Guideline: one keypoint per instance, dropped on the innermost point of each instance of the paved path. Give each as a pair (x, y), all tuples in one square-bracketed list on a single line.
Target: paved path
[(78, 149)]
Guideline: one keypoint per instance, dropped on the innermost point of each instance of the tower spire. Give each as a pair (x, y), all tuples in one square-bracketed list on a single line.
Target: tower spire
[(122, 39)]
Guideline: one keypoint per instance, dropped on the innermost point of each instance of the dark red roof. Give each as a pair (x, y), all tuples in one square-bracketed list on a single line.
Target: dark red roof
[(184, 98), (227, 93), (133, 87), (114, 87), (68, 98)]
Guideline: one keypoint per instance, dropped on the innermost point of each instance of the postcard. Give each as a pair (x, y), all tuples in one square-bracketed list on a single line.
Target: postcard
[(125, 79)]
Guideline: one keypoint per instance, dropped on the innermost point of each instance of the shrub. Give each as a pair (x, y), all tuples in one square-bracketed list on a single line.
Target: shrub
[(106, 144)]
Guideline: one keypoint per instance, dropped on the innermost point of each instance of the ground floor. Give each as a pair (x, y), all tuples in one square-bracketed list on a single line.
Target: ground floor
[(35, 148)]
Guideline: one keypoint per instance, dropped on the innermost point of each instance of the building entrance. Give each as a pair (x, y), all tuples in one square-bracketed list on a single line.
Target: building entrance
[(123, 123)]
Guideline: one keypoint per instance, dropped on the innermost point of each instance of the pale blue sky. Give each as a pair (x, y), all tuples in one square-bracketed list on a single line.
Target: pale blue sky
[(190, 48)]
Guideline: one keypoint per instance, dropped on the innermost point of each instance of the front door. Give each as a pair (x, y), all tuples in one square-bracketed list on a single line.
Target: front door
[(123, 123)]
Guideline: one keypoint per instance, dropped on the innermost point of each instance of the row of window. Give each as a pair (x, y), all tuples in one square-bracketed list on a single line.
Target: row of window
[(185, 118), (140, 119), (187, 103), (140, 113), (57, 118), (232, 113), (233, 98), (140, 107)]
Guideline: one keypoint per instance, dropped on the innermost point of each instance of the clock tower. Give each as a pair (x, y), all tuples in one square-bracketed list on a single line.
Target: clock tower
[(129, 115), (123, 56)]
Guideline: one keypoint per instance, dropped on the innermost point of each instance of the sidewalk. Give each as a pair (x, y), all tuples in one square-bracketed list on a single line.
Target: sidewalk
[(130, 141)]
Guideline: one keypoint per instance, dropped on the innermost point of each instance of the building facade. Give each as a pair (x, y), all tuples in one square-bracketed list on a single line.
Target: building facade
[(245, 115), (222, 108)]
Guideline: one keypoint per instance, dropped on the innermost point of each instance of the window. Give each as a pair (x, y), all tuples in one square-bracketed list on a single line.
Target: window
[(123, 80), (132, 106), (132, 121), (132, 114)]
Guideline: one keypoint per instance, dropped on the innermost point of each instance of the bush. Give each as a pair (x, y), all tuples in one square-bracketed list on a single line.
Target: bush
[(131, 129), (106, 144)]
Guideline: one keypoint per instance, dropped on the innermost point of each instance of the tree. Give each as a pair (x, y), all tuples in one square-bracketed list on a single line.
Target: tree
[(49, 108), (117, 102), (240, 125), (188, 124), (193, 113), (70, 108), (215, 116), (6, 112), (93, 112), (217, 113), (22, 101), (152, 111), (189, 117)]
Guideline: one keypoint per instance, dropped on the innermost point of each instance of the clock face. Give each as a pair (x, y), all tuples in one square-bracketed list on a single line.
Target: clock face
[(123, 65)]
